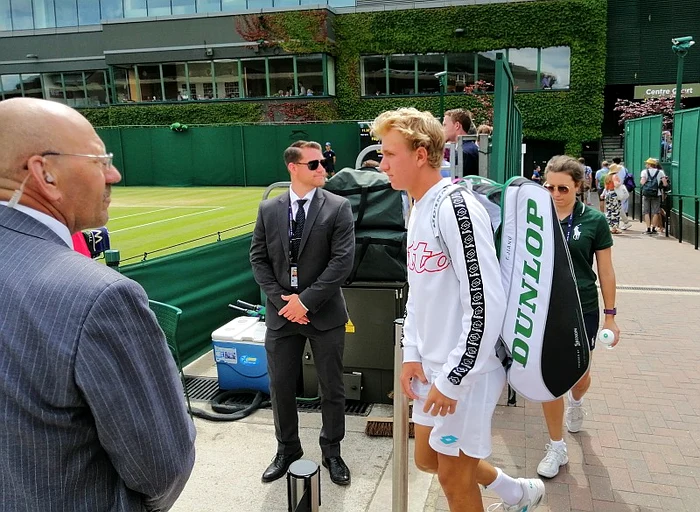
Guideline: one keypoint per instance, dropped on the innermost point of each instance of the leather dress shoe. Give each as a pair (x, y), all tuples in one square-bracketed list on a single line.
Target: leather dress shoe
[(340, 473), (279, 466)]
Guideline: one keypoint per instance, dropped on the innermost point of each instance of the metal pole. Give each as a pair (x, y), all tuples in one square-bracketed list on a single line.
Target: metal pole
[(443, 85), (697, 211), (399, 475), (680, 220), (679, 81)]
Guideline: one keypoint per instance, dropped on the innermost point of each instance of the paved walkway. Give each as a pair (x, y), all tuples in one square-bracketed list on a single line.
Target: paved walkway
[(639, 449)]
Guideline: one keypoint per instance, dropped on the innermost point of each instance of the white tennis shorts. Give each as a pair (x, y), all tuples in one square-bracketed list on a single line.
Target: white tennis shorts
[(469, 428)]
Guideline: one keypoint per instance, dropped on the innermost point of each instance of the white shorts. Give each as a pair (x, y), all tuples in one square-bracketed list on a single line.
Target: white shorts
[(469, 428)]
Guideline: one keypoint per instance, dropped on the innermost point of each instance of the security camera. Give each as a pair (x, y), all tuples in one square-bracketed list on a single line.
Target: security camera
[(683, 40), (441, 73)]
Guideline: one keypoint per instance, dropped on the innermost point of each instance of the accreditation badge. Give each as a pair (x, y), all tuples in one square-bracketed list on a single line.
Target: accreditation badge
[(294, 276)]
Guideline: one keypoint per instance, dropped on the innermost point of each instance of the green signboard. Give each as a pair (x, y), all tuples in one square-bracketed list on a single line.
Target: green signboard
[(665, 91)]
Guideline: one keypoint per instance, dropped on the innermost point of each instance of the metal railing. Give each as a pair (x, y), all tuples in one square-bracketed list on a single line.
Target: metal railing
[(696, 200)]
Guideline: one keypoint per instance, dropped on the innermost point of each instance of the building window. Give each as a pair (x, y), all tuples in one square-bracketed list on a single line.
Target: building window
[(282, 77), (53, 87), (149, 83), (22, 15), (461, 71), (135, 9), (75, 89), (523, 66), (226, 72), (486, 67), (158, 7), (125, 85), (310, 75), (96, 88), (5, 15), (88, 12), (175, 81), (44, 14), (208, 6), (11, 86), (555, 67), (66, 13), (200, 75), (183, 7), (112, 9), (373, 76), (402, 72), (31, 83), (428, 65), (253, 79)]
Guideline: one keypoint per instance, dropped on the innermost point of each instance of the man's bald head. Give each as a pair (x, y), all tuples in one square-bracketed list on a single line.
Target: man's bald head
[(30, 126)]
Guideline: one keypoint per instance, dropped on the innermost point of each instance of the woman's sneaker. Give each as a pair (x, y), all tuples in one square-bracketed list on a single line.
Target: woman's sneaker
[(533, 492), (553, 460), (574, 417)]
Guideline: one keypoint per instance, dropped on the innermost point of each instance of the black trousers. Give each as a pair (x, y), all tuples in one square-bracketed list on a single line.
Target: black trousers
[(285, 348)]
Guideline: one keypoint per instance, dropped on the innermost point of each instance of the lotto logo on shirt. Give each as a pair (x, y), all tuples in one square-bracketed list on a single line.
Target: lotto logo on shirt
[(421, 259)]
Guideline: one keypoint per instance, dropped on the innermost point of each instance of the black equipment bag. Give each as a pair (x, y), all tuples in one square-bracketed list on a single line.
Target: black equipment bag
[(375, 205), (380, 255)]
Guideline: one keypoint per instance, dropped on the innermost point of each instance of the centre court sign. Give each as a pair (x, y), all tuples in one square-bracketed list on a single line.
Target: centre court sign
[(665, 91)]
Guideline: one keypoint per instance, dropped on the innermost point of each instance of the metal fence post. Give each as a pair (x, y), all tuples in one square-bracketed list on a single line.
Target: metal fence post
[(303, 486), (680, 219), (399, 476), (697, 211)]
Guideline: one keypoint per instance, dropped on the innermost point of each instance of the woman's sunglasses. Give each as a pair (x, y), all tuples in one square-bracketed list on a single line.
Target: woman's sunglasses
[(562, 189), (311, 164)]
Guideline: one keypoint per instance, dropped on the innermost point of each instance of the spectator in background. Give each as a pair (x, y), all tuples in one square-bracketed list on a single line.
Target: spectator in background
[(666, 145), (329, 160), (368, 165), (90, 400), (484, 128), (458, 122), (537, 175), (600, 183), (652, 180), (624, 205), (587, 181), (302, 89)]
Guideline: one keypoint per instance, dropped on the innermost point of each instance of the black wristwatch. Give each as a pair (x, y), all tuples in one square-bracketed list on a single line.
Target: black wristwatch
[(612, 311)]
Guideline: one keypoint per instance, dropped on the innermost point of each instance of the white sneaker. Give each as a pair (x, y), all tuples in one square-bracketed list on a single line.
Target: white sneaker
[(553, 460), (533, 492), (574, 417), (625, 227)]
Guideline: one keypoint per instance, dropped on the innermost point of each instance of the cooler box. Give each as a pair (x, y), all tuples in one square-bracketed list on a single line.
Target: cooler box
[(239, 353)]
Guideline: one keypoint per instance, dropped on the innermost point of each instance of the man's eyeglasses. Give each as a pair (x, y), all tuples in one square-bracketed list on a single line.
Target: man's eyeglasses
[(562, 189), (105, 160), (311, 164)]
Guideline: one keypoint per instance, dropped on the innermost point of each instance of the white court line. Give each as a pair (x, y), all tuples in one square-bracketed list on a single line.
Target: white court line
[(143, 213), (165, 220), (161, 206)]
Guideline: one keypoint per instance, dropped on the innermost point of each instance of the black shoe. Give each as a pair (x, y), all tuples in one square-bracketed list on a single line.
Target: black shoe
[(340, 473), (279, 466)]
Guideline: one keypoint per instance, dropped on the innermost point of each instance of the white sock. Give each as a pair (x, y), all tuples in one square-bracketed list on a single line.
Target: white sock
[(507, 488), (576, 403), (559, 445)]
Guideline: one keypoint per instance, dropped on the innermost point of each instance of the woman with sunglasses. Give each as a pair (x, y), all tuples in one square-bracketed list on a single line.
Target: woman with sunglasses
[(587, 233)]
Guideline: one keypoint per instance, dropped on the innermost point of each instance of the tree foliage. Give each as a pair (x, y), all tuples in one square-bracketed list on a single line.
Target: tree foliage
[(633, 109)]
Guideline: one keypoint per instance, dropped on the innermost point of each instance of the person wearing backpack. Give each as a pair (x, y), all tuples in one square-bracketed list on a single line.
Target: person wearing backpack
[(652, 181), (454, 314), (587, 234)]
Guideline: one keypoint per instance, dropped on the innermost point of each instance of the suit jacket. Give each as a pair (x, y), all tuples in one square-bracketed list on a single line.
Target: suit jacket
[(91, 406), (325, 258)]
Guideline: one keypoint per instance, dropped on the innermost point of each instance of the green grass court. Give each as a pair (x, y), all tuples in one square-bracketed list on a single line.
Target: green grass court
[(145, 219)]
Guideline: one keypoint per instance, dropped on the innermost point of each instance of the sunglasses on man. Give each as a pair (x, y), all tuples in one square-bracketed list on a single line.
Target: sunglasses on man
[(562, 189), (313, 164)]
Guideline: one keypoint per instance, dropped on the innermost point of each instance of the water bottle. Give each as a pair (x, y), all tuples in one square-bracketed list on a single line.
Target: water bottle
[(606, 338)]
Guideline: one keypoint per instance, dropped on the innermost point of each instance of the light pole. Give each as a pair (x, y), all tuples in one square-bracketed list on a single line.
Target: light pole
[(442, 76), (681, 45)]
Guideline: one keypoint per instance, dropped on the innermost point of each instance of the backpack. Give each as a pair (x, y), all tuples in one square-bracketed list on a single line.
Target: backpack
[(629, 183), (543, 338), (651, 186)]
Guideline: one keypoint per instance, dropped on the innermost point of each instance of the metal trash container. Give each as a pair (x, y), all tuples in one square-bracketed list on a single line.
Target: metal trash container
[(303, 486)]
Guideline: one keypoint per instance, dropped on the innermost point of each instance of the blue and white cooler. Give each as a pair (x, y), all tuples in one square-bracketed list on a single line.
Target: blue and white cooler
[(239, 353)]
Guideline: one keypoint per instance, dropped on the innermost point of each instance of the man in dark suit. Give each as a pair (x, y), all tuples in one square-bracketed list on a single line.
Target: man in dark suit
[(302, 252), (91, 407)]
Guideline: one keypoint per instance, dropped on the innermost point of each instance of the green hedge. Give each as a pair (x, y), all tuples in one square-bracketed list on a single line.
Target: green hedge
[(188, 113), (573, 117)]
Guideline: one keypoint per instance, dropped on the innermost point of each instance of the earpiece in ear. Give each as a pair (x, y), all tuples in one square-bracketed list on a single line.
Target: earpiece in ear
[(48, 178)]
